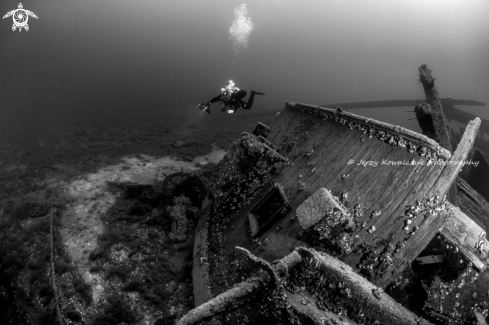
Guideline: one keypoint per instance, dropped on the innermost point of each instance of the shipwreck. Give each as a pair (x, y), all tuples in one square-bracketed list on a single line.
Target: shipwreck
[(322, 217)]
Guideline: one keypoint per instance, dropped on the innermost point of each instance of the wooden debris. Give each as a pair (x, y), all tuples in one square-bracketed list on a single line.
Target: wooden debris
[(468, 237), (225, 302), (261, 130), (425, 120), (303, 307), (314, 208), (363, 295), (440, 126), (433, 99), (455, 163)]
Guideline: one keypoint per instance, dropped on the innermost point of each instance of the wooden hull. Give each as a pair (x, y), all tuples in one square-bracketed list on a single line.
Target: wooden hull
[(319, 145)]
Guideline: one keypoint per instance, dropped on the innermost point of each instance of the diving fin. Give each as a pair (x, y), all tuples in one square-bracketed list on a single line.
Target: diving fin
[(259, 93)]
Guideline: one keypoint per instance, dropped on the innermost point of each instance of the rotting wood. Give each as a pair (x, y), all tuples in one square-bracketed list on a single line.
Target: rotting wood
[(468, 237), (410, 135), (440, 126), (303, 308), (425, 120), (261, 264), (450, 172), (261, 129), (364, 295), (225, 302), (433, 99)]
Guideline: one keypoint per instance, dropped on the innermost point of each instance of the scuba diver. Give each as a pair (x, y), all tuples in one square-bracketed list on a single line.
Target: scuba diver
[(231, 98)]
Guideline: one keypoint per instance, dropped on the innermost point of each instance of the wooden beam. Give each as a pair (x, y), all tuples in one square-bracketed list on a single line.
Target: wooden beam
[(363, 295), (468, 237), (433, 99), (425, 120), (440, 126), (226, 301), (450, 172)]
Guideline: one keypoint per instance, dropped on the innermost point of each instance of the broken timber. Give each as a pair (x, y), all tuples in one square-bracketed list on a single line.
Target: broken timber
[(439, 121), (225, 302), (321, 276), (364, 300), (460, 230), (433, 99), (425, 120), (468, 237)]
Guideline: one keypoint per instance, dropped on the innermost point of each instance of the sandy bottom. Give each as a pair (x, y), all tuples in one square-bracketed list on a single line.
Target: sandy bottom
[(81, 222)]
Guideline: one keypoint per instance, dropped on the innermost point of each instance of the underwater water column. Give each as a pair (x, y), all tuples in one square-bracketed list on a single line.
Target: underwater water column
[(241, 28)]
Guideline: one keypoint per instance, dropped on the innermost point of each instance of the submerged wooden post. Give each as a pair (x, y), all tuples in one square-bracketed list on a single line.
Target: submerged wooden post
[(442, 135), (433, 99), (425, 120)]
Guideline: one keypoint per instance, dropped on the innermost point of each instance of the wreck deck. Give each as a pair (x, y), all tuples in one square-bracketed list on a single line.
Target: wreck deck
[(366, 163)]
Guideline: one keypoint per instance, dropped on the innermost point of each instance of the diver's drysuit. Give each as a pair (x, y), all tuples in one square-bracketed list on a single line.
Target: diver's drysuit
[(231, 98)]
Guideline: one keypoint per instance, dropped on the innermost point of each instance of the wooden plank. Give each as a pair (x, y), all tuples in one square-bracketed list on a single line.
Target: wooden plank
[(318, 273), (450, 172), (468, 237), (340, 113)]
